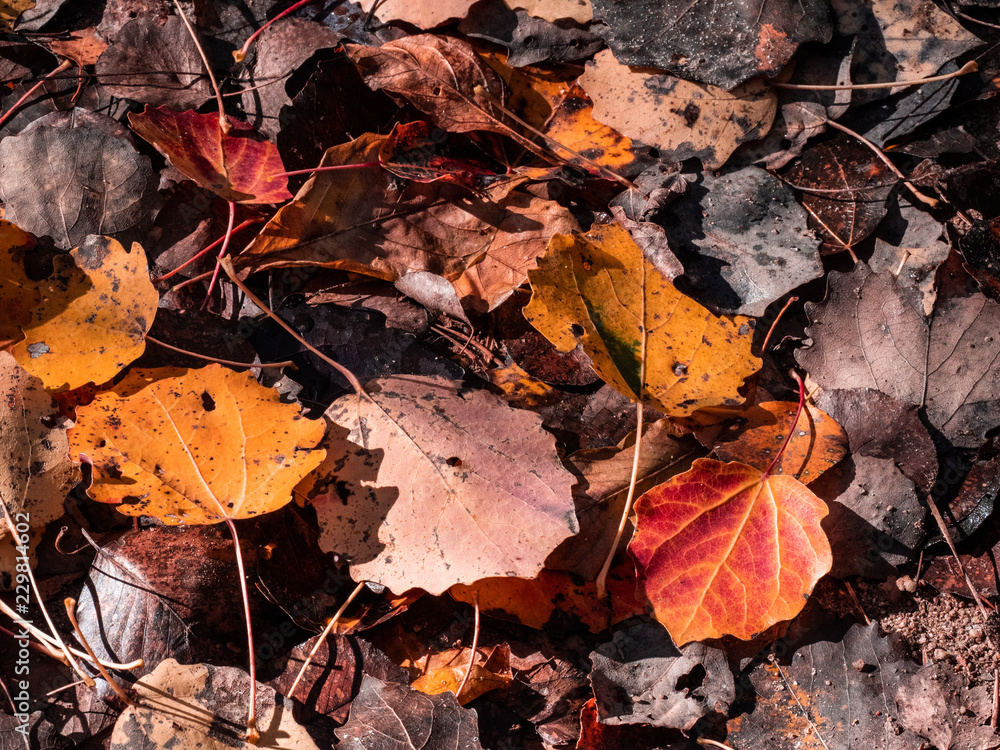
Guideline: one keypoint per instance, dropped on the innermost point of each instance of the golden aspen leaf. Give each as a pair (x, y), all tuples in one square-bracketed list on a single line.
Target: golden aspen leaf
[(92, 320), (682, 119), (18, 294), (195, 446), (11, 10), (444, 672), (646, 339), (723, 549), (35, 467)]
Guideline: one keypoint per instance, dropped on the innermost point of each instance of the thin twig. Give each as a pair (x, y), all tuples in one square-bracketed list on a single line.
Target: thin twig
[(791, 300), (475, 644), (323, 636), (64, 65), (223, 120), (970, 67), (227, 265), (201, 253), (230, 363), (252, 733), (71, 614), (241, 53)]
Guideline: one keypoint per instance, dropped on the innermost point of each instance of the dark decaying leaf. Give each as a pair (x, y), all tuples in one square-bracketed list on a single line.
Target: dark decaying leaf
[(719, 44), (938, 704), (156, 64), (845, 187), (742, 240), (529, 40), (71, 183), (391, 716), (640, 677), (868, 334), (844, 687), (913, 245)]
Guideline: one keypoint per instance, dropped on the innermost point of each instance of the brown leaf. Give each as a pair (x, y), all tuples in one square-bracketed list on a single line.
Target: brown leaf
[(424, 14), (432, 485)]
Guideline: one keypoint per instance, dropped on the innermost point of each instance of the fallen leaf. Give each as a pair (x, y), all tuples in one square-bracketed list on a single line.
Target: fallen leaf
[(36, 472), (236, 165), (444, 672), (938, 704), (723, 46), (10, 10), (916, 252), (724, 550), (431, 485), (19, 295), (586, 290), (845, 188), (415, 151), (203, 706), (682, 119), (530, 40), (363, 221), (742, 240), (403, 718), (639, 677), (156, 64), (816, 687), (195, 447), (869, 333), (580, 11), (424, 14), (440, 76), (597, 736), (92, 320), (755, 437), (69, 183)]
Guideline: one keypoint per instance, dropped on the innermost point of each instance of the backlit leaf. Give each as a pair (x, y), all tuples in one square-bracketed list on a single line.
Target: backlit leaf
[(237, 165), (196, 446), (599, 290), (18, 294), (722, 550), (92, 320)]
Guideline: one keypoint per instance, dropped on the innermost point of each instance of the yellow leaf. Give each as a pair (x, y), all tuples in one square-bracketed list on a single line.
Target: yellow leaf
[(646, 339), (195, 447)]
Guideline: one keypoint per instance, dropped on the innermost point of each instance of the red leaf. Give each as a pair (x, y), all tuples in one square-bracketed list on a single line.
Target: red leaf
[(723, 550), (237, 165)]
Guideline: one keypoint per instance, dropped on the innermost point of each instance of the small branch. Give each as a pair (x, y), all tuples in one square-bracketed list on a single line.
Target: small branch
[(222, 252), (475, 643), (970, 67), (323, 636), (230, 363), (763, 347), (252, 733), (241, 53), (64, 65), (71, 614), (223, 120), (227, 265)]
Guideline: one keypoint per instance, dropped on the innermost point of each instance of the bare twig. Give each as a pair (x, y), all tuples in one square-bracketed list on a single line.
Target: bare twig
[(475, 644), (223, 120), (286, 363)]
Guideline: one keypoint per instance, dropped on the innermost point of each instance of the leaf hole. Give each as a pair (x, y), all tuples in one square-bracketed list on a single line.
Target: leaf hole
[(692, 680), (454, 461), (680, 369), (207, 401), (577, 330)]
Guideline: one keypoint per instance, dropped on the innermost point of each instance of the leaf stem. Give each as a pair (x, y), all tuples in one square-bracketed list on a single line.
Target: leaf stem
[(331, 168), (791, 300), (970, 67), (207, 250), (252, 734), (223, 120), (791, 429), (222, 253), (230, 363), (64, 65), (241, 53), (71, 614), (323, 636), (475, 643), (227, 265)]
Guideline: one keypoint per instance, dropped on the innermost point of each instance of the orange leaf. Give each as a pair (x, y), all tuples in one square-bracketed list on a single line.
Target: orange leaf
[(817, 443), (237, 165), (18, 294), (92, 320), (195, 446), (723, 550), (444, 672)]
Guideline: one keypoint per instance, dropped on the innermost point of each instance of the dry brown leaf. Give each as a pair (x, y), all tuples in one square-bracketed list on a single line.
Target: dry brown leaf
[(431, 485), (580, 11), (424, 14), (682, 119)]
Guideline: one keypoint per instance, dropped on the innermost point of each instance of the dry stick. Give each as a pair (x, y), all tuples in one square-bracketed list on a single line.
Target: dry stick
[(925, 199), (713, 743), (602, 577), (207, 250), (996, 697), (552, 141), (222, 252), (323, 636), (791, 300), (64, 65), (241, 53), (47, 644), (442, 331), (223, 120), (331, 168), (71, 614), (287, 363), (475, 644), (252, 734), (18, 620), (227, 265), (951, 545), (970, 67)]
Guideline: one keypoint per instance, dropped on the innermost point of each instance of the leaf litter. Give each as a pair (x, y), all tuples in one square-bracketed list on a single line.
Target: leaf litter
[(569, 271)]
